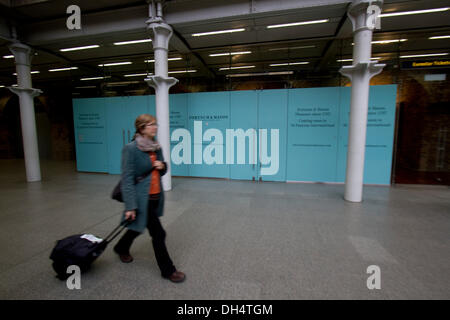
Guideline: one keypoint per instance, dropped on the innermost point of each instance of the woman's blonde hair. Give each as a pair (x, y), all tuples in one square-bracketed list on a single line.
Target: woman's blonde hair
[(142, 121)]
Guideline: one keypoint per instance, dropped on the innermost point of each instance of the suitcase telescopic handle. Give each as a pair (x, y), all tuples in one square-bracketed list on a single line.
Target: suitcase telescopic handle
[(117, 230)]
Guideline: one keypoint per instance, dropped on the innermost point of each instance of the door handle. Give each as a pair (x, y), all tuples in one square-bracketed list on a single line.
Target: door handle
[(128, 136), (123, 136)]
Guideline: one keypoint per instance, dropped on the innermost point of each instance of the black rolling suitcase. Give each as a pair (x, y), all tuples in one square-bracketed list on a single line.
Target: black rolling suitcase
[(80, 250)]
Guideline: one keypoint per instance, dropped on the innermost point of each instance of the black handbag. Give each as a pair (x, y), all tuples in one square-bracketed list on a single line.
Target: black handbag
[(117, 192)]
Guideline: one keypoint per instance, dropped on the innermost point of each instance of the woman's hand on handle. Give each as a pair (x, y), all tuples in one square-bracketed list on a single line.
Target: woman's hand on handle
[(159, 165), (130, 215)]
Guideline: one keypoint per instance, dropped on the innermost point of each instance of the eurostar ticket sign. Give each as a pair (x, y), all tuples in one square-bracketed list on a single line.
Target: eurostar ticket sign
[(434, 64)]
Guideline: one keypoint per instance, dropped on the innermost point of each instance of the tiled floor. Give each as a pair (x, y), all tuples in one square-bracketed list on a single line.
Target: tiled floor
[(233, 239)]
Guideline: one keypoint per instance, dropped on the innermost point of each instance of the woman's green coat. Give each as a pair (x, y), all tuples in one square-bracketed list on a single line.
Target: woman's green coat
[(136, 163)]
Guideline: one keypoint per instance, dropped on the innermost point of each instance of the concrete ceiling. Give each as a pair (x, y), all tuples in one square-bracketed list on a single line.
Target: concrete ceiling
[(42, 25)]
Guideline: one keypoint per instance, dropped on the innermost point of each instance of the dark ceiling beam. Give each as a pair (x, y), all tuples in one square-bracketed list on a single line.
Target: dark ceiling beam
[(343, 30), (132, 19), (181, 45), (94, 70)]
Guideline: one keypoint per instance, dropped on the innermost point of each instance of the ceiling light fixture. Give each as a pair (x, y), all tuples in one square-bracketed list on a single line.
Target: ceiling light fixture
[(432, 38), (217, 32), (94, 78), (288, 64), (229, 53), (168, 59), (259, 74), (232, 68), (386, 41), (351, 60), (32, 72), (297, 23), (115, 64), (131, 42), (63, 69), (389, 41), (424, 55), (405, 13), (80, 48), (183, 71), (9, 57), (138, 74)]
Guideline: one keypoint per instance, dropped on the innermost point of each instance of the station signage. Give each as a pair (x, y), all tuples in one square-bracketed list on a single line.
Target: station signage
[(426, 64)]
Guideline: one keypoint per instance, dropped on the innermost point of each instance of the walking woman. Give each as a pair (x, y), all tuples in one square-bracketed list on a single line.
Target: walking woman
[(142, 168)]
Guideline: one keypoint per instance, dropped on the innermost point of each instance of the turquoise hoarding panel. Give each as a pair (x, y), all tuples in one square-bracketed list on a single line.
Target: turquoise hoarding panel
[(379, 136), (178, 120), (209, 110), (312, 134), (121, 116), (344, 114), (90, 135), (116, 131), (134, 106), (312, 124), (152, 104), (272, 116), (244, 116)]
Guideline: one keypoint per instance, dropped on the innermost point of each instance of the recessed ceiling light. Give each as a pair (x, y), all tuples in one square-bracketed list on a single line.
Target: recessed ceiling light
[(80, 48), (94, 78), (388, 41), (424, 55), (439, 37), (404, 13), (232, 68), (183, 71), (229, 53), (259, 74), (131, 42), (293, 24), (138, 74), (217, 32), (287, 64), (168, 59), (63, 69), (350, 60), (115, 64), (32, 72)]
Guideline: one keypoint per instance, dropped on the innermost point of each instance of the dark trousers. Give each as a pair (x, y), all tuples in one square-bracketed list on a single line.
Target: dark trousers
[(158, 236)]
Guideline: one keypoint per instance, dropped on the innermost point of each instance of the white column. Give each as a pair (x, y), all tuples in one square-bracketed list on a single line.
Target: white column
[(360, 73), (26, 93), (160, 33)]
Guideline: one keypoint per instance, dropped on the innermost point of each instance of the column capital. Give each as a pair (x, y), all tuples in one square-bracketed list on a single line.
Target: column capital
[(31, 91), (373, 68), (160, 33), (157, 81), (359, 13), (22, 53)]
